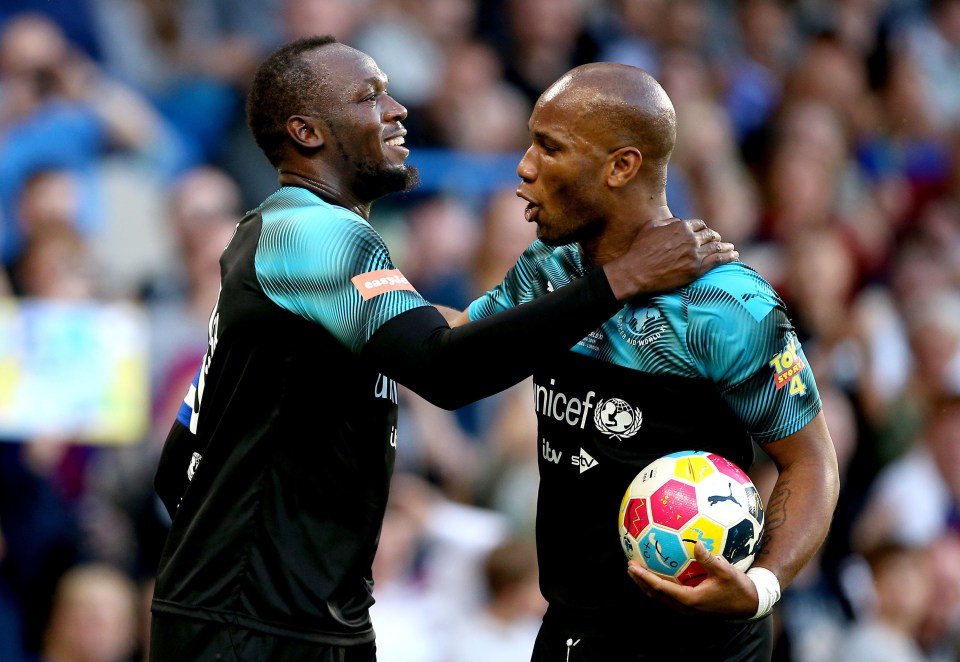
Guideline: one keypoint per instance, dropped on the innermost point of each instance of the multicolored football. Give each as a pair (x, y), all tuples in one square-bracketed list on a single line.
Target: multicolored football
[(687, 497)]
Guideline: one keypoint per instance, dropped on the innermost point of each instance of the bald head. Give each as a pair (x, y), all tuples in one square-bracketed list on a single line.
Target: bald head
[(620, 105)]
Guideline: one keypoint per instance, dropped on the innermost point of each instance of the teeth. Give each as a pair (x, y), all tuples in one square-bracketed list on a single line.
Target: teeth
[(395, 142)]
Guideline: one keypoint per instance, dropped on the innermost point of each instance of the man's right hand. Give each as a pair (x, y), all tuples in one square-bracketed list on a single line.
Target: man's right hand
[(666, 255)]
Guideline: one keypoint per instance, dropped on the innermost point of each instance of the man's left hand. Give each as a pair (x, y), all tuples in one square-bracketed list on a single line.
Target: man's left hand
[(726, 590)]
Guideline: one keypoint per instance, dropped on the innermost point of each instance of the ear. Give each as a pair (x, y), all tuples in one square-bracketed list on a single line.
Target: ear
[(305, 131), (623, 166)]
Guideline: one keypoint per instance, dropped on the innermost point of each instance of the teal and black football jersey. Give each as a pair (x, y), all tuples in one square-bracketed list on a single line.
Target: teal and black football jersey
[(277, 469), (712, 366)]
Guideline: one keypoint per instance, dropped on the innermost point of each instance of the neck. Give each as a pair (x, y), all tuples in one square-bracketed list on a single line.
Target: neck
[(329, 192), (618, 235)]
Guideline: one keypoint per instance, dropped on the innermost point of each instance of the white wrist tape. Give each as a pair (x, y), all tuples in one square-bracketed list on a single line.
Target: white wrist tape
[(768, 590)]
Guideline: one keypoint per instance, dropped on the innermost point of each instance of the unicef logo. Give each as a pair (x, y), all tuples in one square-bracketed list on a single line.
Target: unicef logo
[(617, 419)]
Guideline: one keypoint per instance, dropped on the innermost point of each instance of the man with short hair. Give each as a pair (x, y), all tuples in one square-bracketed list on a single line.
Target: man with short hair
[(277, 469), (714, 365)]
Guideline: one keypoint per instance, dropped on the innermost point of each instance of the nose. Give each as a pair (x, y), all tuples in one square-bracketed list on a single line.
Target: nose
[(525, 169), (393, 110)]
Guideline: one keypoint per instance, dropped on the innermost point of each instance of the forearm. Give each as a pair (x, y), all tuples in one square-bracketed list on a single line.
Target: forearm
[(797, 515), (453, 367)]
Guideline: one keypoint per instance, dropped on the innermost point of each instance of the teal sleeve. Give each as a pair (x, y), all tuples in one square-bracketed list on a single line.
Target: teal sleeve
[(741, 339), (320, 265)]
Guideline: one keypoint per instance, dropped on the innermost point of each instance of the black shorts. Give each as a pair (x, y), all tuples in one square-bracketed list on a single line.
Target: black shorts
[(177, 639), (732, 642)]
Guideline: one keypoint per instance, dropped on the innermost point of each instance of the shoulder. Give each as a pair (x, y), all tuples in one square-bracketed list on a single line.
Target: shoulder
[(735, 285), (734, 278), (735, 320), (295, 217), (293, 206)]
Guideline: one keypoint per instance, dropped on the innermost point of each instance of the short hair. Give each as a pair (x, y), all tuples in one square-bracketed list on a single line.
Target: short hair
[(284, 85)]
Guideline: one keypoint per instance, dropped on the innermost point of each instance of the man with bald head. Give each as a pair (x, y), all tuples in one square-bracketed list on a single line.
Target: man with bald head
[(276, 470), (714, 365)]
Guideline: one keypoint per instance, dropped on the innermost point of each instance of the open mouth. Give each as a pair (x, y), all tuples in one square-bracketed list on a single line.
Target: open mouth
[(531, 212)]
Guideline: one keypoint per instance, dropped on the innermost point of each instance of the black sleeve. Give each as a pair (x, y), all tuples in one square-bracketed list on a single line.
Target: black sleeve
[(454, 367)]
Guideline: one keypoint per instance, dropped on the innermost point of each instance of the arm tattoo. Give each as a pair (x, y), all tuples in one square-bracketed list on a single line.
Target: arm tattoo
[(775, 515)]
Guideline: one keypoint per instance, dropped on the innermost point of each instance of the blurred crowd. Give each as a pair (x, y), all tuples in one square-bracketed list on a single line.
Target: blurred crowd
[(820, 136)]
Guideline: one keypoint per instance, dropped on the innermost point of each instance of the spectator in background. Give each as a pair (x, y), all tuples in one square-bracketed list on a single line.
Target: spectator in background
[(829, 72), (11, 644), (441, 235), (192, 58), (932, 328), (204, 208), (398, 31), (720, 187), (505, 626), (428, 570), (503, 238), (916, 269), (808, 174), (940, 631), (448, 22), (813, 615), (686, 76), (753, 76), (889, 628), (94, 617), (506, 476), (474, 109), (42, 539), (634, 36), (46, 84), (126, 524), (73, 16), (57, 264), (546, 38), (50, 196), (933, 42), (406, 611), (49, 205), (46, 475), (340, 18), (916, 498), (904, 156), (818, 285)]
